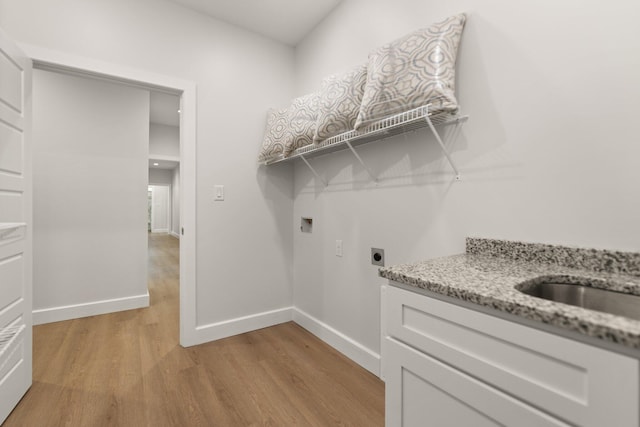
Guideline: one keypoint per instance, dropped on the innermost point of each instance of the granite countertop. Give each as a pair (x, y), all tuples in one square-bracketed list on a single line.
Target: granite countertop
[(490, 271)]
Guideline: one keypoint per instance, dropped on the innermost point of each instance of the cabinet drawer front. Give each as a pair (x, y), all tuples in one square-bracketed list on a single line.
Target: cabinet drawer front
[(435, 394), (571, 380)]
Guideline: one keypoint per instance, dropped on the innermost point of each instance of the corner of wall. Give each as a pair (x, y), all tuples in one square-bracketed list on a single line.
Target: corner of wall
[(355, 351)]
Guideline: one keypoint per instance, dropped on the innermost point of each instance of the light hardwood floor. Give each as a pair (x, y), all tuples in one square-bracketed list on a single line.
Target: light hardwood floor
[(127, 369)]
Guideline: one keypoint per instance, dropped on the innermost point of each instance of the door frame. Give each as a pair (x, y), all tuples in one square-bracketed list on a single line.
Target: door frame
[(52, 60)]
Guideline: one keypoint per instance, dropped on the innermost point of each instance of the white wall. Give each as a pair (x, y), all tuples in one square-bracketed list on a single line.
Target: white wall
[(244, 244), (175, 201), (160, 176), (86, 218), (550, 153), (164, 140)]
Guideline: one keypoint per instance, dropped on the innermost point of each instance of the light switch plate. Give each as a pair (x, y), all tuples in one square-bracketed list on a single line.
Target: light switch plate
[(218, 192)]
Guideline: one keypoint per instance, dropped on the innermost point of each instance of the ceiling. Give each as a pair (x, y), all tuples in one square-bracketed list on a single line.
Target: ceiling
[(287, 21), (163, 164)]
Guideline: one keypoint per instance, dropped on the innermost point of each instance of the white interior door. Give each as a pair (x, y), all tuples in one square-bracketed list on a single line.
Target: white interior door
[(160, 218), (15, 226)]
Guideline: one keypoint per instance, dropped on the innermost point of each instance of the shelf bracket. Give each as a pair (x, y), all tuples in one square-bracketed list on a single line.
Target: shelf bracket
[(444, 149), (306, 162), (355, 153)]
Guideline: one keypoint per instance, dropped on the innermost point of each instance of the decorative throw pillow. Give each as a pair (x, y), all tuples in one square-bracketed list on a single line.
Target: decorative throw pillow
[(339, 104), (276, 134), (412, 71), (303, 114)]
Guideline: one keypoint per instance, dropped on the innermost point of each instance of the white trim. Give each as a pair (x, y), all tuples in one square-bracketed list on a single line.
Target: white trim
[(383, 332), (355, 351), (174, 234), (336, 339), (60, 61), (240, 325), (67, 312), (163, 157), (188, 232), (55, 60)]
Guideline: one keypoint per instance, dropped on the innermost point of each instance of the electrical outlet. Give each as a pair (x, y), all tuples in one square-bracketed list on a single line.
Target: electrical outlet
[(377, 256), (338, 247)]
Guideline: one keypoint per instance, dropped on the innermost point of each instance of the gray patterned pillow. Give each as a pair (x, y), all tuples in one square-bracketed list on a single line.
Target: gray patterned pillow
[(412, 71), (276, 134), (340, 99), (303, 114)]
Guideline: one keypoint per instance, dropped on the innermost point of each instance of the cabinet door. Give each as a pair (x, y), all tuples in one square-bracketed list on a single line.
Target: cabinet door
[(572, 381), (422, 391)]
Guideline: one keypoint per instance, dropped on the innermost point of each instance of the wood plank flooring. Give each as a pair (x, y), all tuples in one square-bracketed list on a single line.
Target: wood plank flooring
[(127, 369)]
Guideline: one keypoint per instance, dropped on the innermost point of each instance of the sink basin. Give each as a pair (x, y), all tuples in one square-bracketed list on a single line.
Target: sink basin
[(611, 302)]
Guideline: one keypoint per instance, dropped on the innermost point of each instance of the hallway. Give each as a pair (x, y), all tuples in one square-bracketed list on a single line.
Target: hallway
[(127, 369)]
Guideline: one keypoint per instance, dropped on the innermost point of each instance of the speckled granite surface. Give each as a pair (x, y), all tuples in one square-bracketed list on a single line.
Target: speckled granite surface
[(490, 272), (590, 259)]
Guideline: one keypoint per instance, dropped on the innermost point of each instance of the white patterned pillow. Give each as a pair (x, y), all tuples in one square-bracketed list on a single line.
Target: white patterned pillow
[(412, 71), (339, 104), (276, 134), (303, 114)]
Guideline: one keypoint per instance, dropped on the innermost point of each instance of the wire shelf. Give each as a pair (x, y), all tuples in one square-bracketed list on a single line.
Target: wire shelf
[(398, 124)]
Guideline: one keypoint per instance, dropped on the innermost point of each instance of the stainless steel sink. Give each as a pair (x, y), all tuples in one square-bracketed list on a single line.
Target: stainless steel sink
[(612, 302)]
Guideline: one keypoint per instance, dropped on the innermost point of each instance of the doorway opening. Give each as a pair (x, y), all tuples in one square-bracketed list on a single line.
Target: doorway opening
[(44, 59), (163, 222)]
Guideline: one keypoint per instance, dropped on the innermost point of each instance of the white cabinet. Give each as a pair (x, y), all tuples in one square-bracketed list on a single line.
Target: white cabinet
[(446, 365)]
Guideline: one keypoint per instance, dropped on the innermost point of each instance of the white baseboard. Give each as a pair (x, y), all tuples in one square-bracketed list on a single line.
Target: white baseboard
[(215, 331), (345, 345), (174, 234), (57, 314), (352, 349), (240, 325)]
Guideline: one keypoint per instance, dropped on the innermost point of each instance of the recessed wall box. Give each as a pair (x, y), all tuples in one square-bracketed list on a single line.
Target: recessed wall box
[(306, 225)]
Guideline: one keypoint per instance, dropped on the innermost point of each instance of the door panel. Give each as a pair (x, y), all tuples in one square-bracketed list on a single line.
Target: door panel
[(11, 206), (10, 149), (12, 273), (11, 83), (15, 226), (15, 353), (421, 390)]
